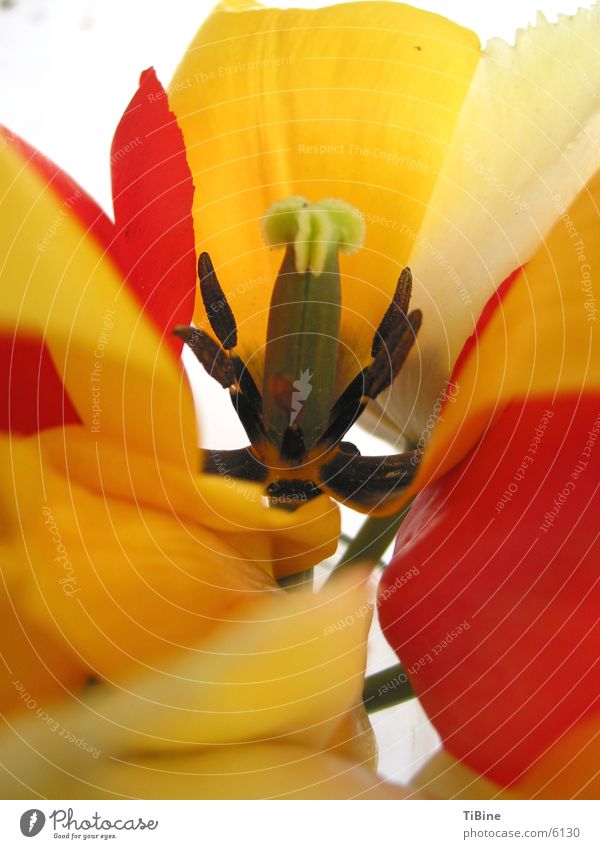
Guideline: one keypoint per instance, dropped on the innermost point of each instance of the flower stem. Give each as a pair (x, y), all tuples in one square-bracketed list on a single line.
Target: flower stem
[(387, 688), (298, 581)]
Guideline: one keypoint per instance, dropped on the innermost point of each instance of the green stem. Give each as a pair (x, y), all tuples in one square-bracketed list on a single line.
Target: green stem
[(297, 581), (371, 541), (387, 688)]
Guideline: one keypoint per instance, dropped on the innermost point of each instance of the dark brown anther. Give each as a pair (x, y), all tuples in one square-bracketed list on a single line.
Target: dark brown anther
[(367, 482), (209, 354), (292, 494), (251, 420), (395, 313), (391, 356), (293, 448), (237, 463), (247, 384), (218, 311), (346, 410)]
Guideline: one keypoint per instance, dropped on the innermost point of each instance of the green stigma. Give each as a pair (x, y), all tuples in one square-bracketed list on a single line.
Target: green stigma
[(302, 344), (316, 231)]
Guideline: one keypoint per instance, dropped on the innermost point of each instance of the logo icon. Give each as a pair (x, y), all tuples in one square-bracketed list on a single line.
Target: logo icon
[(32, 822), (303, 389)]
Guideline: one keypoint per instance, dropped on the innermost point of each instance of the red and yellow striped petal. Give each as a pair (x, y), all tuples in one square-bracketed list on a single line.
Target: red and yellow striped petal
[(32, 395), (534, 339), (498, 627), (58, 285), (355, 101)]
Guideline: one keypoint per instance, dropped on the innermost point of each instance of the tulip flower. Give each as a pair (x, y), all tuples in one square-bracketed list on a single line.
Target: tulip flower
[(375, 104), (116, 550), (145, 641), (497, 627)]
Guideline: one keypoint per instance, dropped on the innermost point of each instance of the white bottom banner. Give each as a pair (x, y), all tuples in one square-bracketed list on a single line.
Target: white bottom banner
[(284, 824)]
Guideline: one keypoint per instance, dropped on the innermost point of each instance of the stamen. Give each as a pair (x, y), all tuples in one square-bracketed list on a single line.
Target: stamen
[(251, 420), (209, 354), (368, 482), (391, 356), (396, 311), (219, 312), (238, 463), (247, 384), (292, 444)]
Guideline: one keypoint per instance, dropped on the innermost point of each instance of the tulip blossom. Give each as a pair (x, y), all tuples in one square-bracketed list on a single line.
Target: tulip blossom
[(126, 563), (115, 549), (499, 629)]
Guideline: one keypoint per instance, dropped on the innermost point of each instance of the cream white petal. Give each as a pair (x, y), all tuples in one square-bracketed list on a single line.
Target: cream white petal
[(526, 142)]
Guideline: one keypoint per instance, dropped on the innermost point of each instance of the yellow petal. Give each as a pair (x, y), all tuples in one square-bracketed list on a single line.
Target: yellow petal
[(291, 665), (283, 542), (257, 711), (355, 101), (58, 284), (101, 585), (525, 144), (443, 777), (252, 771), (260, 771)]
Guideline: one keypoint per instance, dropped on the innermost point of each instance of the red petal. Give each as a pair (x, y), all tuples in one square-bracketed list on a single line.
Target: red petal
[(498, 621), (32, 393), (153, 194)]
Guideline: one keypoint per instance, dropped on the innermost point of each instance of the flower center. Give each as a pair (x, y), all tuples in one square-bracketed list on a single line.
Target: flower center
[(304, 318), (317, 231)]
